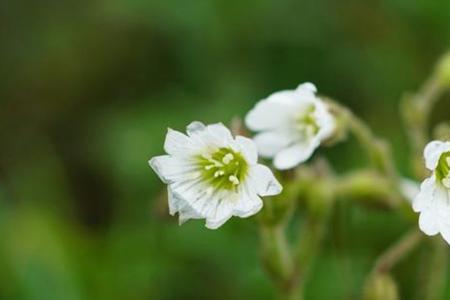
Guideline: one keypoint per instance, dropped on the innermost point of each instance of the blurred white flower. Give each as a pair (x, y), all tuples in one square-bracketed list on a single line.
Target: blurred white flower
[(409, 189), (292, 124), (433, 201), (212, 175)]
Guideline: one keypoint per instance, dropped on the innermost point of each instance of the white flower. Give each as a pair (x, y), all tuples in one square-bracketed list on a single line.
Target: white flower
[(292, 124), (433, 201), (212, 175)]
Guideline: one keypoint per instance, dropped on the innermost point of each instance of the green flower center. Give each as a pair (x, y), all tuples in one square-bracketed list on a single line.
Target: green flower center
[(223, 169), (306, 122), (443, 167)]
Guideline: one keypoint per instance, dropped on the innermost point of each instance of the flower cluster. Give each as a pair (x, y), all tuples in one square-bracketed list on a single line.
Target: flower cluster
[(212, 175)]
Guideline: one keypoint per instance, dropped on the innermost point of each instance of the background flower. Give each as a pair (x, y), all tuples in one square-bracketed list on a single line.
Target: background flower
[(291, 125), (433, 201)]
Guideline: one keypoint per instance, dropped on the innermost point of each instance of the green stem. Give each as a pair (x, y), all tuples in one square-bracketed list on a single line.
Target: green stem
[(397, 251), (416, 117), (377, 149), (416, 110), (276, 254), (309, 247), (319, 202), (368, 186), (435, 282)]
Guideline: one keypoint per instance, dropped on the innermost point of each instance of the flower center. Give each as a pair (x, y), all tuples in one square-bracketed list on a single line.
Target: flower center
[(224, 169), (306, 122), (443, 169)]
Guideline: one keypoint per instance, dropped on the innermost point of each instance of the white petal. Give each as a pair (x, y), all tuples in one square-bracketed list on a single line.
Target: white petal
[(248, 149), (248, 204), (307, 86), (444, 221), (171, 169), (180, 205), (193, 200), (194, 127), (215, 135), (305, 95), (222, 213), (177, 143), (324, 119), (220, 131), (271, 142), (441, 203), (275, 111), (262, 180), (428, 223), (445, 232), (186, 213), (433, 151), (174, 202), (294, 155), (424, 198)]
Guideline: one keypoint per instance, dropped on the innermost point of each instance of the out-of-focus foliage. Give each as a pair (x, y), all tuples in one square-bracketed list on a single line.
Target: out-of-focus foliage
[(88, 88)]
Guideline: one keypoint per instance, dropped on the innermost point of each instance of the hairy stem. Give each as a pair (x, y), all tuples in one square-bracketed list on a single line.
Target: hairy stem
[(416, 110), (276, 253), (309, 247), (377, 149), (368, 186), (397, 251), (435, 284)]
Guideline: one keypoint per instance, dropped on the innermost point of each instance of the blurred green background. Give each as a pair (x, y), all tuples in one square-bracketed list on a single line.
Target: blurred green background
[(88, 88)]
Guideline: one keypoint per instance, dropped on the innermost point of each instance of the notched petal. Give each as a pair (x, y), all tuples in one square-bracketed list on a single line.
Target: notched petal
[(307, 86), (195, 127), (263, 181), (177, 143)]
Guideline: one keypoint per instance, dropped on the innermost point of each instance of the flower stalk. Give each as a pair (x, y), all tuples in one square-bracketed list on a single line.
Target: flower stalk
[(437, 269), (397, 252), (377, 149), (417, 108)]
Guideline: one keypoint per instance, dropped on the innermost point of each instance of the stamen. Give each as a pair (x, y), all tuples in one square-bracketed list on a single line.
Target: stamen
[(234, 180), (219, 173), (446, 182), (223, 169), (228, 158), (217, 164), (206, 156)]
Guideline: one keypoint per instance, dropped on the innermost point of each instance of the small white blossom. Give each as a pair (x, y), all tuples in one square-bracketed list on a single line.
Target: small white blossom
[(213, 176), (292, 124), (433, 201)]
